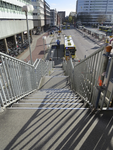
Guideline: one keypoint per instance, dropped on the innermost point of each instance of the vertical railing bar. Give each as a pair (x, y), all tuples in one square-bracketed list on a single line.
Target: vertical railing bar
[(1, 99), (85, 79), (96, 74), (109, 71), (7, 78), (15, 65), (100, 66), (11, 73), (13, 76), (88, 80), (8, 97), (100, 61), (28, 78), (24, 80), (90, 74), (93, 75), (2, 89), (31, 78), (19, 80), (20, 77)]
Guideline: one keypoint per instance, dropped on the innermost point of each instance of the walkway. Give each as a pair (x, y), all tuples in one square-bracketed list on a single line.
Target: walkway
[(37, 48)]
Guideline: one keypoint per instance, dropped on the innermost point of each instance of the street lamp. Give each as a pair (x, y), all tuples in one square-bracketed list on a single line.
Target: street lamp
[(26, 9), (44, 38)]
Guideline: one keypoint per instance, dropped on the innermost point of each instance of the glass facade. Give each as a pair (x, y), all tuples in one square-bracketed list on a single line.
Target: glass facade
[(12, 8), (95, 7)]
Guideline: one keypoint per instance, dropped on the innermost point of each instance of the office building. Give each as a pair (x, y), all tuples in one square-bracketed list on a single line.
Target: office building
[(53, 15), (13, 23), (95, 11), (38, 14), (62, 16), (47, 15)]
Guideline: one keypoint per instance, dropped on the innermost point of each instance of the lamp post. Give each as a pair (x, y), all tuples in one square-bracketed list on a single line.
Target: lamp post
[(26, 9), (44, 38)]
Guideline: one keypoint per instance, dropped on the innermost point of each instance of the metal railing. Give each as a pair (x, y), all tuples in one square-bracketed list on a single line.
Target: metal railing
[(84, 79), (18, 79), (95, 34)]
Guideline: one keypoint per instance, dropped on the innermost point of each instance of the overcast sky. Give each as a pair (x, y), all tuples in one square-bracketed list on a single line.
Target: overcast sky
[(63, 5)]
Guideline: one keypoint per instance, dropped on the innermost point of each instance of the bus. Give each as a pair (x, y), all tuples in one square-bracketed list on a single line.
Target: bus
[(70, 48), (68, 27), (63, 27), (105, 28), (108, 30)]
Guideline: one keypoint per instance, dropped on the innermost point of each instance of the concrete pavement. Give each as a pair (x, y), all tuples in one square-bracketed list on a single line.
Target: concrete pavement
[(37, 48), (96, 40)]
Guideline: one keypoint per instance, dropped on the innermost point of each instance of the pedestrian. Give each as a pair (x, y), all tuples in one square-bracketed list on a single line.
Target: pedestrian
[(50, 59), (58, 43)]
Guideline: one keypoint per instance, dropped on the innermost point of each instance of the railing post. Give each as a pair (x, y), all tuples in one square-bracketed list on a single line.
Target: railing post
[(108, 78), (101, 78)]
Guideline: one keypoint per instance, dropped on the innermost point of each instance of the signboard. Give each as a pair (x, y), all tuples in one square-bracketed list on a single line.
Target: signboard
[(69, 47), (67, 53)]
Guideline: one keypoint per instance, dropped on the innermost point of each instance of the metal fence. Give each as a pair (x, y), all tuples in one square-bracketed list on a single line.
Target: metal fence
[(84, 79), (18, 79)]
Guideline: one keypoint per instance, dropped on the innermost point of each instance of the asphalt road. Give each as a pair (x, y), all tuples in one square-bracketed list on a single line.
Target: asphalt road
[(84, 45)]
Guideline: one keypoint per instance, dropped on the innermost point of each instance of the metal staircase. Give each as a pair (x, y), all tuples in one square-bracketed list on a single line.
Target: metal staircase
[(52, 111), (54, 93), (54, 118)]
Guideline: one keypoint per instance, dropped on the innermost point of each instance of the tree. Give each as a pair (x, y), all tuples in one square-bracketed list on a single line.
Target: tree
[(70, 19), (101, 19)]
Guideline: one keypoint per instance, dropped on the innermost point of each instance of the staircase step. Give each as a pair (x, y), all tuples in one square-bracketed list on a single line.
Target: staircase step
[(58, 73), (54, 82), (52, 96), (45, 105), (50, 100), (48, 105), (39, 108), (57, 90)]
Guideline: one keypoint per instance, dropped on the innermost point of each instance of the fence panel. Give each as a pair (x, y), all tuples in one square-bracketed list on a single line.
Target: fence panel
[(85, 76), (18, 78)]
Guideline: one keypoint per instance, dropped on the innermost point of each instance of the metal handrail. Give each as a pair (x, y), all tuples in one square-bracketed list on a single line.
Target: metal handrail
[(18, 78), (84, 79)]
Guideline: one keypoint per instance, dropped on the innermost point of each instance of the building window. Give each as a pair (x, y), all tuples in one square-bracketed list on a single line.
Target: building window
[(34, 14), (35, 7)]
